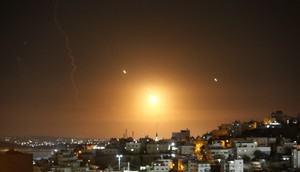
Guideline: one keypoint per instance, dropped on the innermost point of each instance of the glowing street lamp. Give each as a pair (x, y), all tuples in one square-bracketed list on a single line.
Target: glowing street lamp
[(119, 158)]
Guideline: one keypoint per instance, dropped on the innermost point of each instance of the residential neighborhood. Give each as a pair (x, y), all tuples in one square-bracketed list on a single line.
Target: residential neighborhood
[(269, 145)]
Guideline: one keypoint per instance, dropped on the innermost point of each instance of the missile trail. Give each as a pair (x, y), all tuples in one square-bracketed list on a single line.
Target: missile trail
[(69, 50)]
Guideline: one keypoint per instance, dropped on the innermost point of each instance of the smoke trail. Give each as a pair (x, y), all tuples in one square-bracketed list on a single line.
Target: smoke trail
[(69, 49)]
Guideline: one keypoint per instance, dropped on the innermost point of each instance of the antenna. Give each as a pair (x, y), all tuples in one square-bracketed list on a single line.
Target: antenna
[(156, 134), (126, 133)]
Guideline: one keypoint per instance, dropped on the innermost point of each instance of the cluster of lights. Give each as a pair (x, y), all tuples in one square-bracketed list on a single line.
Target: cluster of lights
[(33, 143), (38, 142)]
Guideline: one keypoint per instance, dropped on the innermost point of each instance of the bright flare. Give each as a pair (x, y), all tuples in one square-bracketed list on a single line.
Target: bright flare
[(153, 99)]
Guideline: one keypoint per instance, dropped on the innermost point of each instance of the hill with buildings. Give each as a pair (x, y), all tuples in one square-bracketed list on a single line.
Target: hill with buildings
[(267, 145)]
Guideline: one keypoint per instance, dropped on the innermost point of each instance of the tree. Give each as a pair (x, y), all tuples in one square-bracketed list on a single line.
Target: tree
[(246, 158), (260, 155)]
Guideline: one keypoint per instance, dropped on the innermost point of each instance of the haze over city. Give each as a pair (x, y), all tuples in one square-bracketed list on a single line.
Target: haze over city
[(96, 68)]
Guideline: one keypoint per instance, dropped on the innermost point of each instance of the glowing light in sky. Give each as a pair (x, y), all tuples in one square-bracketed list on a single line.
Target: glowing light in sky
[(153, 99), (124, 71), (215, 79)]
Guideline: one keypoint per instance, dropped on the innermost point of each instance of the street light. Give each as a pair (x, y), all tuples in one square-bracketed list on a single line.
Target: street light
[(119, 158)]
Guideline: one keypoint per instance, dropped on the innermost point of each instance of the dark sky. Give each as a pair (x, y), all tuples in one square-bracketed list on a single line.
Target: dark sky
[(62, 65)]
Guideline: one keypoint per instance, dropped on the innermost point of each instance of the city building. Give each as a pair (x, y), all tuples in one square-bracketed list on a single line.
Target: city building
[(276, 119), (234, 129), (236, 165), (183, 135), (87, 156), (187, 149), (67, 161), (285, 146), (251, 125), (295, 158), (133, 147), (192, 166), (262, 141), (164, 147), (216, 144), (14, 161), (204, 167), (162, 165), (247, 148), (242, 148), (220, 153), (109, 151), (152, 148)]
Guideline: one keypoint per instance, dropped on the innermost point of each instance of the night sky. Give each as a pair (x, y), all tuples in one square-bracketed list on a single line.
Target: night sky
[(87, 68)]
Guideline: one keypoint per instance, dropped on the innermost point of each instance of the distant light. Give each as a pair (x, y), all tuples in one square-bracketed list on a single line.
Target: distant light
[(124, 71), (153, 99), (215, 79)]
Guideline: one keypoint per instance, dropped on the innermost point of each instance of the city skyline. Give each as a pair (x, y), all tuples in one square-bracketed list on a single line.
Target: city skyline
[(96, 68)]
